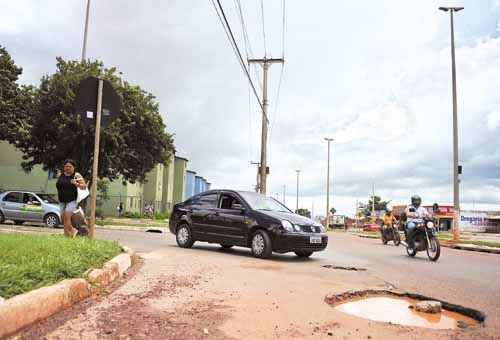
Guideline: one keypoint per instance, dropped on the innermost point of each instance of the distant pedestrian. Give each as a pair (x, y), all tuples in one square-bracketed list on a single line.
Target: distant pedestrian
[(119, 208), (67, 192)]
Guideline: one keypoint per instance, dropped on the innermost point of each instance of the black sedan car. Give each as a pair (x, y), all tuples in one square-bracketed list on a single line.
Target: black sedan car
[(246, 219)]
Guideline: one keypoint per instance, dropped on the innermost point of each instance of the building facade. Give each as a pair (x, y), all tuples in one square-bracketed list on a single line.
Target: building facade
[(165, 185)]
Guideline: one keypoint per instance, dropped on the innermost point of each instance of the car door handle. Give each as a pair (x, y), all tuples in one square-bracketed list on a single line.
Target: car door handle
[(216, 213)]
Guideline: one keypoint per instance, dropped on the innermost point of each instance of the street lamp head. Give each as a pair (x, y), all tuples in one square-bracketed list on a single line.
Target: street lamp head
[(328, 139), (454, 9)]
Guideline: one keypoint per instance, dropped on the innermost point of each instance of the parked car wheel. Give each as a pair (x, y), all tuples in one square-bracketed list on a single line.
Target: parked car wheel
[(184, 237), (2, 217), (261, 245), (303, 254), (226, 246), (51, 221), (18, 222)]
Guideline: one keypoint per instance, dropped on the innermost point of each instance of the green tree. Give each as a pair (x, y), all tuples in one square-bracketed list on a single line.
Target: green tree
[(130, 147), (379, 204), (16, 102), (304, 212), (102, 196)]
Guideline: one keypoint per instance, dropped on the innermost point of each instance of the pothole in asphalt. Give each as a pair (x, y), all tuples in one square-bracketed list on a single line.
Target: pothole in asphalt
[(401, 309), (158, 231), (352, 268)]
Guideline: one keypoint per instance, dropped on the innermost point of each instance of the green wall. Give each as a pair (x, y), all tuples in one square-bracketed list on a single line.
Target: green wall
[(180, 167), (168, 185)]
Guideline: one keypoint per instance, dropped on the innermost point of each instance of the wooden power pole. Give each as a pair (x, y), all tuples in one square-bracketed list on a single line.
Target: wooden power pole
[(265, 103)]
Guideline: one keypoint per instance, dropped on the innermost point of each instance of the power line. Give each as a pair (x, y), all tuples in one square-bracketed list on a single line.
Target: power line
[(263, 27), (246, 40), (232, 41)]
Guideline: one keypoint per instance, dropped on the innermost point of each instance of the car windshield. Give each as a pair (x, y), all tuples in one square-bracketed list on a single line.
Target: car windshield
[(47, 198), (261, 202)]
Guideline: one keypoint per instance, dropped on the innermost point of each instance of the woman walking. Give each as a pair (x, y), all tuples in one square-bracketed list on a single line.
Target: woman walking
[(67, 185)]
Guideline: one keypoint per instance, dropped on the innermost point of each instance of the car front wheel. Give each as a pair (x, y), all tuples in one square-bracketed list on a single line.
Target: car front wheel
[(261, 245), (184, 237), (18, 222), (2, 217), (51, 221)]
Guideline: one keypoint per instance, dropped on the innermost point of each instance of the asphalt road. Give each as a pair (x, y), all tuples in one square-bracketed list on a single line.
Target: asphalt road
[(461, 277)]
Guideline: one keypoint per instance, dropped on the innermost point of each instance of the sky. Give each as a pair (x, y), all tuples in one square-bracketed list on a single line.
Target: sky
[(374, 76)]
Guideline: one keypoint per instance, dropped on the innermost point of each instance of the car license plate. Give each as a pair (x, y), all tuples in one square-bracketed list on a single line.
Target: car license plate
[(315, 239)]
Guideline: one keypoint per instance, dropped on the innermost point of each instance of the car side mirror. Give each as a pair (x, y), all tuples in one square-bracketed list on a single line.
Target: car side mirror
[(238, 206)]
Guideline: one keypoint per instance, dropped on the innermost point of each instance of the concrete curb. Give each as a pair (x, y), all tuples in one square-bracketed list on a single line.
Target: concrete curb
[(25, 309), (471, 247), (459, 246)]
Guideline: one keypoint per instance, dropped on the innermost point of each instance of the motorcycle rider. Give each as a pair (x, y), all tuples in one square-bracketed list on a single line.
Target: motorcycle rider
[(413, 213), (389, 220)]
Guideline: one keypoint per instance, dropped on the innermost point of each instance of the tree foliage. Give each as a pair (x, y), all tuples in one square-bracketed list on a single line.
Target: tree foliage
[(130, 146), (304, 212), (379, 205), (16, 102)]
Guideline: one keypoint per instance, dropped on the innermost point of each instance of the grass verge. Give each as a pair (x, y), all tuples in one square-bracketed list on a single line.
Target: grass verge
[(28, 262)]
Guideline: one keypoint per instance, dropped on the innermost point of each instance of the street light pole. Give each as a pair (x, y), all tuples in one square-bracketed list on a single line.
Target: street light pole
[(84, 47), (456, 193), (327, 223), (297, 204)]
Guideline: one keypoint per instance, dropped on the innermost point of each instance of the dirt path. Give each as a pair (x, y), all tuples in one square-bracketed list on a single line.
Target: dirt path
[(208, 293)]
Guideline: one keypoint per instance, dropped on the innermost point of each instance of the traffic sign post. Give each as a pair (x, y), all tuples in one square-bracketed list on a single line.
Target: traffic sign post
[(106, 104), (95, 165)]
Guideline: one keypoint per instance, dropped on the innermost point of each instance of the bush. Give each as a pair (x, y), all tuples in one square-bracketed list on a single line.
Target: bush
[(162, 216), (129, 214)]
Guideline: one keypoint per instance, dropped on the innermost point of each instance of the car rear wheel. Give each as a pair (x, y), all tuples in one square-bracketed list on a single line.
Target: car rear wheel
[(184, 237), (2, 217), (51, 221), (226, 246), (303, 254), (18, 222), (261, 245)]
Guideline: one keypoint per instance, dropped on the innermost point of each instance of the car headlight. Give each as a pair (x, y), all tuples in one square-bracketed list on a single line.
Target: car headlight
[(297, 228), (430, 224), (287, 225)]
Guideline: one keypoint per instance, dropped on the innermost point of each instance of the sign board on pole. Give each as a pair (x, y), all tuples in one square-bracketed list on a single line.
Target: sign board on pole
[(86, 102)]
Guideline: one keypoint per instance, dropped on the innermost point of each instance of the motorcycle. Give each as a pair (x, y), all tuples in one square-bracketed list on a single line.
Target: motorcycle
[(390, 234), (425, 239)]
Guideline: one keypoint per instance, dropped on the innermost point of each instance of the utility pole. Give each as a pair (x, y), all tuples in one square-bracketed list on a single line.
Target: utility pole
[(257, 186), (84, 48), (298, 173), (265, 103), (356, 213), (456, 170), (328, 185), (373, 202)]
